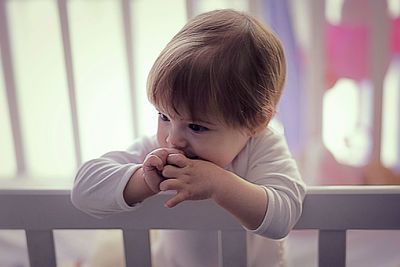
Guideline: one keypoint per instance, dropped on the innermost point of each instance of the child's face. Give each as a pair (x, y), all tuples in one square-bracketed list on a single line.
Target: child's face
[(208, 140)]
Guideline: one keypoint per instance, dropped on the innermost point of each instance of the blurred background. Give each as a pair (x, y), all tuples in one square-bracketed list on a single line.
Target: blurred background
[(73, 86)]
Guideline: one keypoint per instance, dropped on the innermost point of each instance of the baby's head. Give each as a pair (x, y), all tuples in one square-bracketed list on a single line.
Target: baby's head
[(216, 84), (223, 64)]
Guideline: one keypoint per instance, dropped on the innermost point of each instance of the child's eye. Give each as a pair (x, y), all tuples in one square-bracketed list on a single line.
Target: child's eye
[(197, 128), (163, 117)]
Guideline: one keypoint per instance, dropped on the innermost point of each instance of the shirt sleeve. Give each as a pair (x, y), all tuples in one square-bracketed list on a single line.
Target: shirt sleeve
[(99, 183), (272, 166)]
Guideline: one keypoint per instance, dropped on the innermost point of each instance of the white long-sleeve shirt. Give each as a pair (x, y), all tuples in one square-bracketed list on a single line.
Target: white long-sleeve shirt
[(265, 160)]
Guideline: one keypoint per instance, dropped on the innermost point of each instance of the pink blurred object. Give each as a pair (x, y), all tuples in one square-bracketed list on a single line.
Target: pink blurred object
[(347, 52), (395, 36)]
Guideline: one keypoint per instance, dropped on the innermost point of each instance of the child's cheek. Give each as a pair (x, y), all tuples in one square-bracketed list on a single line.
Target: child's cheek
[(161, 139)]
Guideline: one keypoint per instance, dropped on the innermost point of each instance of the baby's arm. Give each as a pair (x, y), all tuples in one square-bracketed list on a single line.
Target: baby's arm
[(248, 202), (100, 183), (268, 201), (198, 179), (272, 167)]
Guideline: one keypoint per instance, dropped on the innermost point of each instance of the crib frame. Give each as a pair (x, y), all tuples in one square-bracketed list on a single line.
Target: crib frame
[(330, 210)]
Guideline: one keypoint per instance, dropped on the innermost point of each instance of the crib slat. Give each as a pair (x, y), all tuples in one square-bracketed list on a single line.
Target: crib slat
[(64, 23), (137, 248), (332, 248), (10, 86), (232, 248), (40, 245)]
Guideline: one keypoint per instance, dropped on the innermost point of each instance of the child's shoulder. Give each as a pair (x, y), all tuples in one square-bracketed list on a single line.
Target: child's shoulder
[(270, 141), (275, 127), (273, 132), (267, 146)]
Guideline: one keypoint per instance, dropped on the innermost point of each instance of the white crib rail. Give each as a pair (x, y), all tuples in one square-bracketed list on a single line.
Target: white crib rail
[(331, 210)]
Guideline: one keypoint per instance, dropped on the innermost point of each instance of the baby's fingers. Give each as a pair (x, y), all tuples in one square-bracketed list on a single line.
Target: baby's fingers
[(163, 153), (174, 184), (178, 160), (153, 161), (171, 184), (178, 198)]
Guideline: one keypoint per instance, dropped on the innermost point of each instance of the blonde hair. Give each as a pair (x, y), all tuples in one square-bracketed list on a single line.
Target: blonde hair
[(222, 63)]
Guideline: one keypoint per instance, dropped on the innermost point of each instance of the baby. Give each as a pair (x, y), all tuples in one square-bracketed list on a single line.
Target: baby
[(215, 87)]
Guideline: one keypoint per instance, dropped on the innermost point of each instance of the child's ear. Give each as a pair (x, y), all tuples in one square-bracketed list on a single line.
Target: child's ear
[(257, 131), (260, 129), (262, 121), (250, 133)]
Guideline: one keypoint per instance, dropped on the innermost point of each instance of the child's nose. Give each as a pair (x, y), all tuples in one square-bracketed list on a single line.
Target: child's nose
[(176, 139)]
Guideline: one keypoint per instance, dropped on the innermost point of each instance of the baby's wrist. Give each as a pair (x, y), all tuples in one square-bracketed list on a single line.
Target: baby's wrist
[(219, 186), (137, 189), (146, 184)]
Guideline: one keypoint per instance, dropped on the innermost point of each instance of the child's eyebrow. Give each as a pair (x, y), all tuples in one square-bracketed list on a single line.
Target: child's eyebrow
[(166, 113), (202, 121), (195, 121)]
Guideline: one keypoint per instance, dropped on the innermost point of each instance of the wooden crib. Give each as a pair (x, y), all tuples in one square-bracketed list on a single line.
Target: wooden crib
[(331, 210)]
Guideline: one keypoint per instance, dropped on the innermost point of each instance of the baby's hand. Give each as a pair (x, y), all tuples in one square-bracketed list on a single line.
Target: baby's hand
[(154, 164), (192, 179)]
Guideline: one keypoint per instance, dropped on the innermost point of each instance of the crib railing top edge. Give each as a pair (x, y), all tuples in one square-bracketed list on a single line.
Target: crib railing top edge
[(354, 189), (331, 210), (63, 189)]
